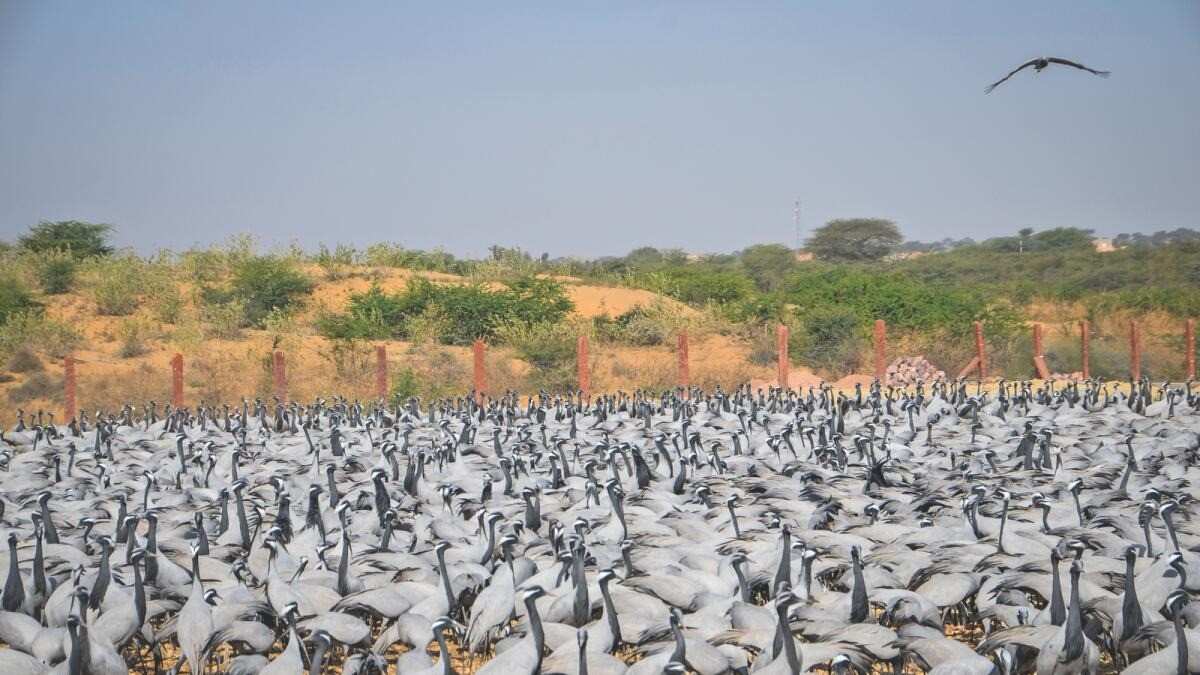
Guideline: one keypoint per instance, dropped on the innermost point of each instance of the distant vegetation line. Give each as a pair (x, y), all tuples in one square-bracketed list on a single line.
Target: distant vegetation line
[(852, 272)]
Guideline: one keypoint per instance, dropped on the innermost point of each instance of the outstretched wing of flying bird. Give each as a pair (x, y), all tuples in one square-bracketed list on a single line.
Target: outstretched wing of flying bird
[(1101, 73), (1004, 79)]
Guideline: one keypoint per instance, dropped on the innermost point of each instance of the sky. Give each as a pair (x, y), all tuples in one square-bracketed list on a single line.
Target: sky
[(591, 128)]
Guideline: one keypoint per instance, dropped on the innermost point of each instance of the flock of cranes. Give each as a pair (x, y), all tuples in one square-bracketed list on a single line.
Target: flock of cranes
[(940, 528)]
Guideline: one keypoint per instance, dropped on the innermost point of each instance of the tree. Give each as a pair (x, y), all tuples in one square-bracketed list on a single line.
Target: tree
[(1061, 238), (767, 264), (81, 239), (266, 284), (854, 239)]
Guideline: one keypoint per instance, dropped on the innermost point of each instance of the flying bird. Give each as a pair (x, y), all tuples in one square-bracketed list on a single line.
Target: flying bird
[(1040, 63)]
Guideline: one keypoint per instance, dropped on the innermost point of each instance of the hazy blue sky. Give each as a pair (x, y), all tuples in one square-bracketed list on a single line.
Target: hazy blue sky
[(591, 128)]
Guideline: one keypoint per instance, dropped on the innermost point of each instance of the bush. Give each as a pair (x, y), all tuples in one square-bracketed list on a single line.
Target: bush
[(24, 360), (33, 331), (905, 303), (133, 334), (78, 238), (117, 283), (56, 272), (829, 341), (404, 386), (15, 298), (392, 255), (462, 313), (223, 319), (697, 284), (37, 386), (542, 345), (854, 239), (265, 284), (336, 263), (166, 302)]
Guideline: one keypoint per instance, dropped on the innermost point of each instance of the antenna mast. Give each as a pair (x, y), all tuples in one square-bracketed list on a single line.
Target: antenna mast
[(796, 222)]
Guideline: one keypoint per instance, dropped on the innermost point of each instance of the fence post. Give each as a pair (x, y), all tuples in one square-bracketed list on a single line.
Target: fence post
[(279, 375), (69, 386), (880, 349), (581, 364), (1189, 342), (979, 353), (177, 380), (783, 365), (480, 381), (1084, 339), (1039, 353), (685, 377), (1135, 351), (381, 372)]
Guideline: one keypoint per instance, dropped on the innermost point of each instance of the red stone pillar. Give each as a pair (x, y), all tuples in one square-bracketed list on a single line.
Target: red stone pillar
[(1039, 353), (581, 364), (1189, 343), (880, 349), (979, 351), (69, 389), (177, 380), (1135, 351), (1085, 340), (381, 372), (480, 381), (279, 375), (685, 376), (783, 365)]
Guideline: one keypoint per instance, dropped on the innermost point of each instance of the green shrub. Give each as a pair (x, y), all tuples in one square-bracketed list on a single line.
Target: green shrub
[(117, 283), (166, 302), (905, 303), (462, 313), (763, 347), (829, 340), (336, 263), (37, 386), (80, 239), (24, 360), (132, 334), (56, 272), (31, 330), (542, 345), (644, 327), (267, 283), (697, 284), (15, 298), (404, 386), (393, 255), (223, 319)]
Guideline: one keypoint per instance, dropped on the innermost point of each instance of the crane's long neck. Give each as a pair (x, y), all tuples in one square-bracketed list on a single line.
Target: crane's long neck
[(859, 606), (1073, 646), (1003, 524), (1058, 610), (789, 645), (535, 626), (318, 657), (243, 524), (579, 578), (610, 614), (743, 587), (1130, 608), (444, 653), (344, 566), (1181, 645), (441, 557), (784, 573)]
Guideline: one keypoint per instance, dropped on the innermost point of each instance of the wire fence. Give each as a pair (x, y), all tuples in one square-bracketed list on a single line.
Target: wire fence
[(309, 368)]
